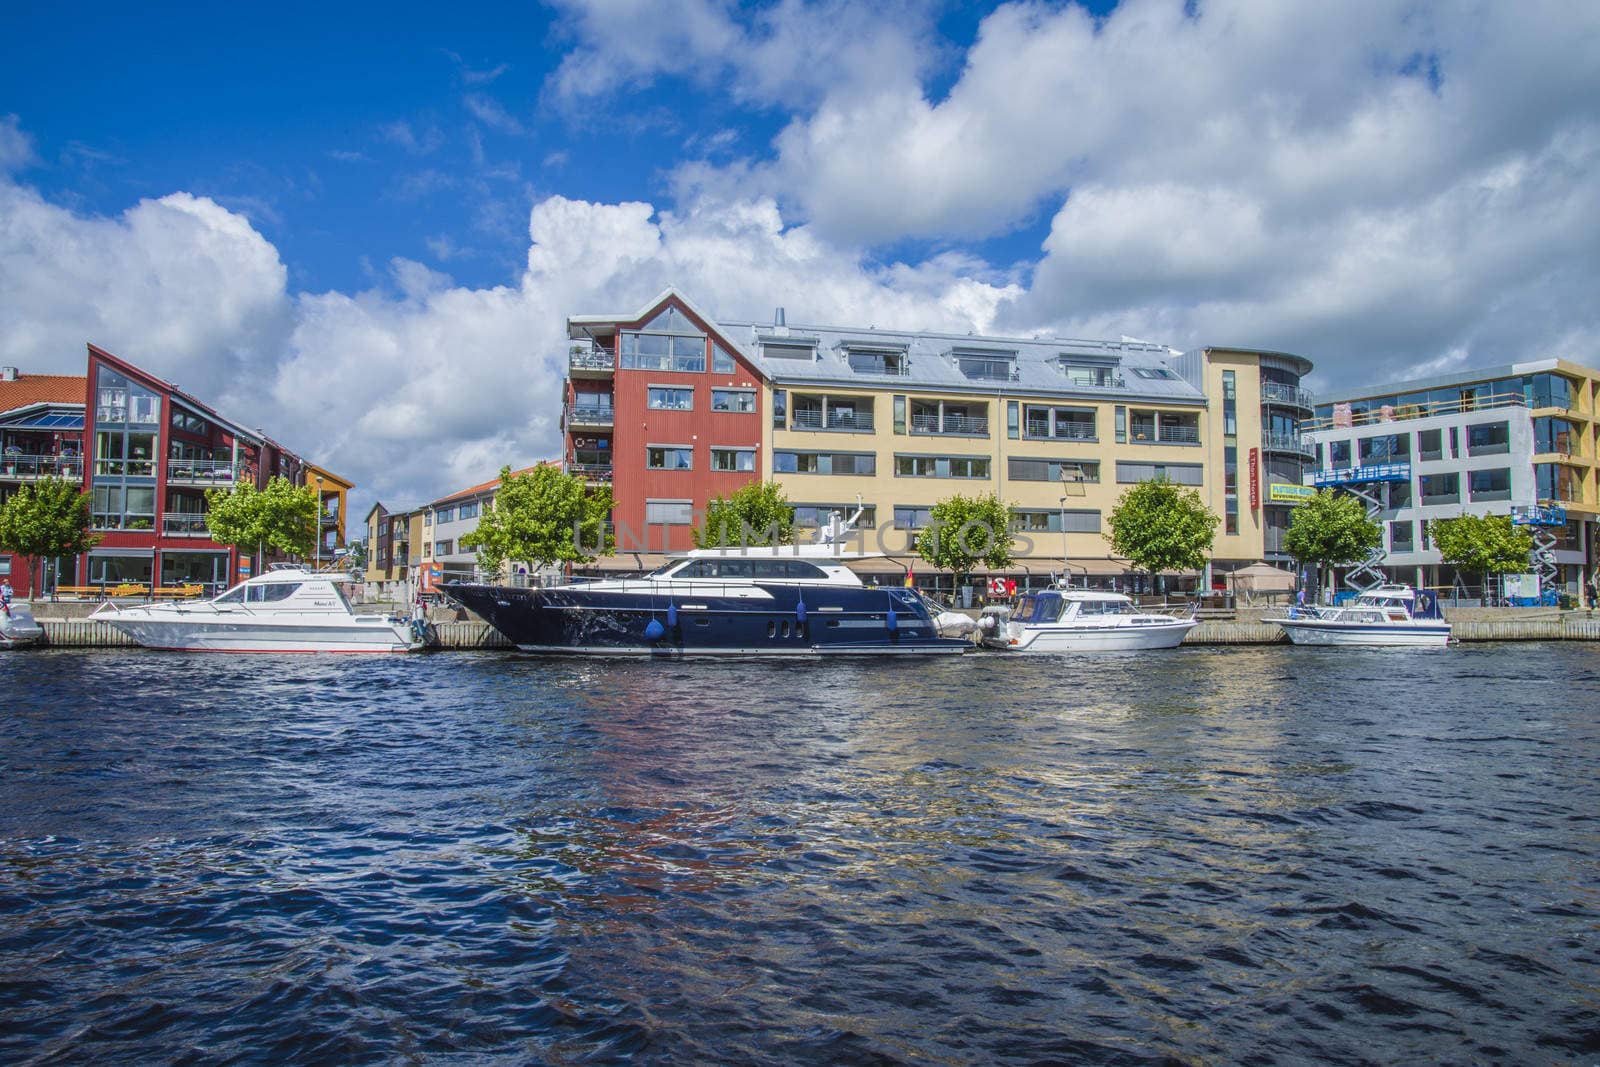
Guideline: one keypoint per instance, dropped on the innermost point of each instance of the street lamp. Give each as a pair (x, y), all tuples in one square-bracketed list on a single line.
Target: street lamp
[(318, 556)]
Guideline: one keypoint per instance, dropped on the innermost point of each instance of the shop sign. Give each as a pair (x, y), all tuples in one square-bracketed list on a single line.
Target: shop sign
[(1290, 494)]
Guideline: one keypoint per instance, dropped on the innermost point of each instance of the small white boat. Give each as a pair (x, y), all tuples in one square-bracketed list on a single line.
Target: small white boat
[(1383, 615), (1079, 620), (287, 609), (18, 626)]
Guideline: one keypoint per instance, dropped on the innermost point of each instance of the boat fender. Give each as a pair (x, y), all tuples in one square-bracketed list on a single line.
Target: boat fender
[(892, 620), (672, 616), (654, 631), (800, 610)]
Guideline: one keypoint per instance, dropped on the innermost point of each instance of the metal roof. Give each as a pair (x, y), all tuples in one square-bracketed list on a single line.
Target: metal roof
[(1140, 371)]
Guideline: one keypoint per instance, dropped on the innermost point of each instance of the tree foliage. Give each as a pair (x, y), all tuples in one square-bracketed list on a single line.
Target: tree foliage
[(47, 520), (754, 514), (1160, 526), (1330, 529), (542, 517), (283, 516), (966, 531), (1482, 544)]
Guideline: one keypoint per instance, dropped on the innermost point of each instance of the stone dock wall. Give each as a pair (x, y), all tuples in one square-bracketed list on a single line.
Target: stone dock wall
[(468, 633)]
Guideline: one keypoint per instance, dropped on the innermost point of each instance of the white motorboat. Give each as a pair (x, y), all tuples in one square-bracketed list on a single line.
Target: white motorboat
[(286, 609), (18, 626), (1079, 620), (1383, 615)]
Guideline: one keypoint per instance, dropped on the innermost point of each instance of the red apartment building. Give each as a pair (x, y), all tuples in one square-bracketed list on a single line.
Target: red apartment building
[(667, 411), (146, 452)]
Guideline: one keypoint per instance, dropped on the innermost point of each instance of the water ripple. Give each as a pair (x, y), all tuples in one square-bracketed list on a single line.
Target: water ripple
[(1241, 855)]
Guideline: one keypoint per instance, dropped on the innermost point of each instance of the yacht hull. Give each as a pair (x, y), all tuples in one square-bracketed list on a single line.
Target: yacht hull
[(1397, 635), (758, 620), (18, 627), (1130, 638), (189, 635)]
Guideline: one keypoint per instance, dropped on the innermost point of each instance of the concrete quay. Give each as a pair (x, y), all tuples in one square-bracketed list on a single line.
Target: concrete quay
[(458, 630)]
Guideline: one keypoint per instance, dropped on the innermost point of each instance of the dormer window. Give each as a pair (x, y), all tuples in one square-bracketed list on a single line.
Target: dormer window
[(877, 359), (789, 349), (985, 364), (1089, 373)]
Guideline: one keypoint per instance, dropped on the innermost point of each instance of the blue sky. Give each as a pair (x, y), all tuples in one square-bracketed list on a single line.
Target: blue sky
[(364, 227)]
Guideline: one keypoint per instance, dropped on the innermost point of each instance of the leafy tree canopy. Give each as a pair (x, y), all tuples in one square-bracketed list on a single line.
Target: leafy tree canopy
[(966, 531), (1482, 544), (1160, 526), (542, 517), (755, 514), (1330, 529), (283, 516), (47, 520)]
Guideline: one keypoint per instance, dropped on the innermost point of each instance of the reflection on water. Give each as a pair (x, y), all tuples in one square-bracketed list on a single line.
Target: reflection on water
[(1209, 855)]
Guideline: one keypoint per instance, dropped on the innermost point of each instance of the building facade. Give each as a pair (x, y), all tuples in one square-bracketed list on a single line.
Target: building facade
[(41, 436), (333, 496), (1514, 440), (674, 408)]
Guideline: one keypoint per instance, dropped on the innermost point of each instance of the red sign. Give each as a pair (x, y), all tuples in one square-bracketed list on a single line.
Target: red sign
[(1255, 479)]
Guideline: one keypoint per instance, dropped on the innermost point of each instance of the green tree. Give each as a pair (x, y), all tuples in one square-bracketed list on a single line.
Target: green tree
[(283, 517), (541, 517), (355, 556), (966, 531), (1160, 526), (1482, 544), (46, 520), (754, 514), (1330, 529)]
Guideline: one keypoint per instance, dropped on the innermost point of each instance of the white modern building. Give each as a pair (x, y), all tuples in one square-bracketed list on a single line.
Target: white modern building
[(1509, 441)]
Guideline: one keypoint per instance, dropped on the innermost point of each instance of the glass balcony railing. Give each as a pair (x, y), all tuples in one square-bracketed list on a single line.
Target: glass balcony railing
[(960, 425), (201, 472), (588, 357), (814, 419), (184, 526), (33, 468), (590, 415), (1064, 431), (1287, 442), (1278, 393)]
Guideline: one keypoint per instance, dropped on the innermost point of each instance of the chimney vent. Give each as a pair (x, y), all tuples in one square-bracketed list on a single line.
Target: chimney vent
[(8, 374), (777, 318)]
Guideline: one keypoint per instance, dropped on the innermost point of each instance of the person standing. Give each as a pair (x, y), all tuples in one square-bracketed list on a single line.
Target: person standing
[(6, 593)]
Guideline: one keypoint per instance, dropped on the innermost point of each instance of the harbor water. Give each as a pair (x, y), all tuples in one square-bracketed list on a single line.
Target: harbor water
[(1255, 855)]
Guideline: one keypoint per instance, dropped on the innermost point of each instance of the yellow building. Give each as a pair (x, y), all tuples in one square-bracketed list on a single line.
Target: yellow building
[(333, 493), (1059, 429)]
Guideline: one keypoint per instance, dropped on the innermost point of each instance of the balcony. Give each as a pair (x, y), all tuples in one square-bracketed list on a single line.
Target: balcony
[(589, 415), (1286, 395), (184, 526), (591, 472), (32, 468), (200, 472), (1147, 432), (950, 425), (1039, 429), (817, 419), (587, 360), (1287, 442)]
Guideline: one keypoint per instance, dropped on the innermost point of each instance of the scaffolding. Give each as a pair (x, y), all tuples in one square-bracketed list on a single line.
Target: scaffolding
[(1543, 520), (1365, 484)]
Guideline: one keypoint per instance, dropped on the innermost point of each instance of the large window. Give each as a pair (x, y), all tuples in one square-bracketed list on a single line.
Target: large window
[(733, 459), (1490, 484), (1551, 434), (670, 398), (941, 466), (1082, 375), (1177, 473), (467, 511), (816, 515), (1387, 448), (669, 512), (987, 366), (1553, 481), (1400, 535), (1440, 488), (1430, 445), (912, 518), (1489, 439), (878, 361), (669, 457), (733, 400), (790, 462), (1019, 469), (1077, 520), (721, 360)]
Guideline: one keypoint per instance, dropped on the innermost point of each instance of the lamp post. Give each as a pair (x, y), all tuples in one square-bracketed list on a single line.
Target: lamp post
[(318, 556)]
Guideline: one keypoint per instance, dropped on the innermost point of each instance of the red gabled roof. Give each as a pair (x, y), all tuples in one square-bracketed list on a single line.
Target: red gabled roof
[(485, 486), (43, 389)]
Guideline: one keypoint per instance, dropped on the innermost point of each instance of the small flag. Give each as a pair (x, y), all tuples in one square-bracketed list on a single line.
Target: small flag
[(910, 579)]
